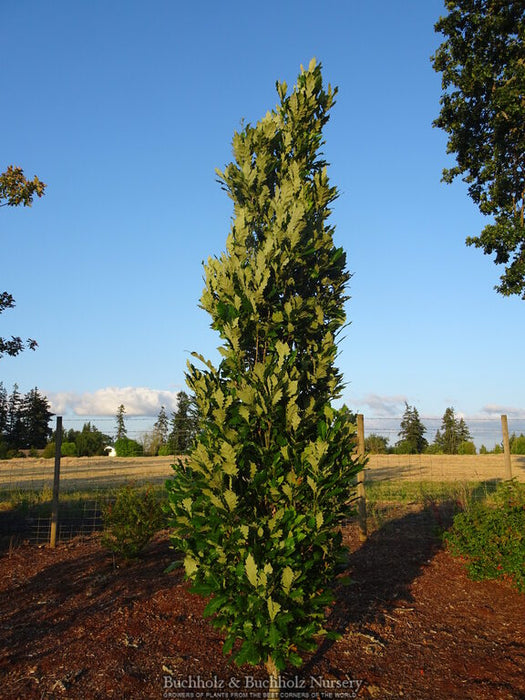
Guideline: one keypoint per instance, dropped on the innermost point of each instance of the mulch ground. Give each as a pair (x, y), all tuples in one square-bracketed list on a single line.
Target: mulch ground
[(76, 623)]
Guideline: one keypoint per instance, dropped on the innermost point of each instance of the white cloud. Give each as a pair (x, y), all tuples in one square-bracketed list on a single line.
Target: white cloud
[(496, 410), (386, 406), (138, 401)]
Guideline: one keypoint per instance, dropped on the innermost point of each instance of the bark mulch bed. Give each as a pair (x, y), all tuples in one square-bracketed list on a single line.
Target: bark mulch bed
[(75, 623)]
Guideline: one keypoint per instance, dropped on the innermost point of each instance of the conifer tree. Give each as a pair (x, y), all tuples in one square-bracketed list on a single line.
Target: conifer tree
[(15, 424), (412, 432), (256, 508), (3, 410), (121, 424), (183, 425), (452, 433), (36, 415), (160, 427)]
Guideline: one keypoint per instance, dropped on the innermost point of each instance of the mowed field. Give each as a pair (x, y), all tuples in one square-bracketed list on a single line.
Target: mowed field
[(83, 473), (87, 473), (442, 467)]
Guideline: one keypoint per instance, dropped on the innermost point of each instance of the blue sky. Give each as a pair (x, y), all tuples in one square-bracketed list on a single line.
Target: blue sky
[(126, 108)]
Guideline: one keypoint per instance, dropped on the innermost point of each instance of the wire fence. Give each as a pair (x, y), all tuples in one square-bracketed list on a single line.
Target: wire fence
[(485, 431), (87, 484)]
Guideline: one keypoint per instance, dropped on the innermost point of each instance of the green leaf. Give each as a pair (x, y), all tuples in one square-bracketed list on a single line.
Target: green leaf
[(231, 499), (248, 654), (228, 645), (251, 570), (213, 606), (244, 412), (273, 608), (295, 659), (202, 588), (274, 636), (287, 578), (174, 565), (190, 565)]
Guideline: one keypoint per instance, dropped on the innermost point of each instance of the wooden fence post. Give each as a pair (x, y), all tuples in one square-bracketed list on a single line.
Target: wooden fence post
[(506, 447), (361, 503), (56, 483)]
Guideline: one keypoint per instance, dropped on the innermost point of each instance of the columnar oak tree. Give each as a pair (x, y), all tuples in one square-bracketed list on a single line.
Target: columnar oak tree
[(257, 506)]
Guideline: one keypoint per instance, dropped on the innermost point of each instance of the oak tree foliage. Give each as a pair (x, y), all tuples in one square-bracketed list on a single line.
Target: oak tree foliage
[(482, 62), (256, 507), (16, 190)]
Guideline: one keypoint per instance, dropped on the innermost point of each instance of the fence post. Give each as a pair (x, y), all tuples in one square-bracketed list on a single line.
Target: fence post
[(506, 447), (56, 483), (361, 496)]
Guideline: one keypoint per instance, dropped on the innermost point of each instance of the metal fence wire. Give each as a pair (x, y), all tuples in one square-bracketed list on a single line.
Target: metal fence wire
[(87, 484)]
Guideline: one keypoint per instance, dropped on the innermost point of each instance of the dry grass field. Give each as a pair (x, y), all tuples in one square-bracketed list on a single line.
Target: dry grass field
[(82, 473), (87, 473), (442, 467)]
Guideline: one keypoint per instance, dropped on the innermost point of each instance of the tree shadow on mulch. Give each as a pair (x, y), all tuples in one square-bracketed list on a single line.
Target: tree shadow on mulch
[(104, 583), (383, 568)]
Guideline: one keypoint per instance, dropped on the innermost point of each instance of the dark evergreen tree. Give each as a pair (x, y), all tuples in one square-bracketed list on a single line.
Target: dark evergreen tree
[(258, 505), (36, 414), (463, 431), (161, 427), (183, 425), (4, 409), (452, 433), (412, 432), (15, 425), (121, 425)]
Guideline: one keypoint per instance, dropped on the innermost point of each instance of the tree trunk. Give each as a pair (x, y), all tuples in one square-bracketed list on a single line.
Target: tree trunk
[(274, 676)]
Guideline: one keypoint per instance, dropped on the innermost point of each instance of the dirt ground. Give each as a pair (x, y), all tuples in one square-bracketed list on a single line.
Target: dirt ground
[(75, 623)]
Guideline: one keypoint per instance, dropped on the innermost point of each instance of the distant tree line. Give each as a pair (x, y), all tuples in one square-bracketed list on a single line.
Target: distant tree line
[(24, 425), (24, 421), (174, 435), (169, 436), (516, 444), (453, 436), (88, 442)]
